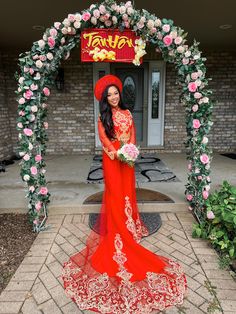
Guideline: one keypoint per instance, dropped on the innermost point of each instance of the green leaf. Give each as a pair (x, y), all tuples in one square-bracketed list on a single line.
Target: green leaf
[(231, 252)]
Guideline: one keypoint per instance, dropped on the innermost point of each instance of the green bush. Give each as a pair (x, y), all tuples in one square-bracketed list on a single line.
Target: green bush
[(219, 223)]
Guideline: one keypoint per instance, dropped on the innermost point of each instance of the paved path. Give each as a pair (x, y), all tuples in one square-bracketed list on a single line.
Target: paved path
[(37, 287)]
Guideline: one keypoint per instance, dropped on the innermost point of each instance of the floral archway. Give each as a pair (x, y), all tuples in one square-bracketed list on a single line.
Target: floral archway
[(39, 66)]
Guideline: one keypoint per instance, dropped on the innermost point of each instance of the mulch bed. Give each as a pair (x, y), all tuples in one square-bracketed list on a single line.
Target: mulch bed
[(16, 238)]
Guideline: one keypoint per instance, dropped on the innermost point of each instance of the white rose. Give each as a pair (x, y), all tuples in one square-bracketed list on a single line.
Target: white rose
[(49, 56), (180, 49), (63, 40), (150, 24), (32, 117), (37, 76), (45, 37), (196, 57), (39, 64), (20, 136), (30, 146), (21, 80), (130, 11), (34, 108), (122, 9), (94, 20), (26, 177), (41, 43), (205, 100), (77, 24), (78, 17), (64, 31), (66, 22), (205, 140), (198, 82), (207, 187), (158, 23), (187, 54), (22, 153), (173, 34), (114, 19)]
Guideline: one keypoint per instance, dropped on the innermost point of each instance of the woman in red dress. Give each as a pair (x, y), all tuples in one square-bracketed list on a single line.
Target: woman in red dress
[(114, 273)]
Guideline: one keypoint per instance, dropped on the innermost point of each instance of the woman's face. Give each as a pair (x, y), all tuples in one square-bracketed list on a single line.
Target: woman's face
[(113, 96)]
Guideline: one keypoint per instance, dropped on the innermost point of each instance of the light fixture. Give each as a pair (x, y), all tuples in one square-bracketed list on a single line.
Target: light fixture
[(59, 80), (38, 27), (225, 26)]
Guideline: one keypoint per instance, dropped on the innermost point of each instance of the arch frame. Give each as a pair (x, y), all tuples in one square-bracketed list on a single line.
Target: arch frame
[(37, 69)]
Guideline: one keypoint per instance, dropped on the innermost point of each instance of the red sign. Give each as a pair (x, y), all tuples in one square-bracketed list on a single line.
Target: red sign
[(107, 45)]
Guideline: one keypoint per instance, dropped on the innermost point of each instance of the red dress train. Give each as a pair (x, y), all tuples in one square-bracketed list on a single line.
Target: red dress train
[(114, 273)]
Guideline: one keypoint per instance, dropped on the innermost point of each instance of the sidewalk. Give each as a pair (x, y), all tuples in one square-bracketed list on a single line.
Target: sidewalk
[(37, 288)]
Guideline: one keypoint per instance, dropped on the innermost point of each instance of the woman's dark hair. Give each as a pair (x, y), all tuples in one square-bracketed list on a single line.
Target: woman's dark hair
[(106, 113)]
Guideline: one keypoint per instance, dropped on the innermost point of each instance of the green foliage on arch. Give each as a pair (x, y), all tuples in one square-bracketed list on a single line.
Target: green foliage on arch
[(36, 75)]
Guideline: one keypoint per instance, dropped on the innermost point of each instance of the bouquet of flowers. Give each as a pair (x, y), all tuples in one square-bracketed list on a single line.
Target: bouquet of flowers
[(128, 153)]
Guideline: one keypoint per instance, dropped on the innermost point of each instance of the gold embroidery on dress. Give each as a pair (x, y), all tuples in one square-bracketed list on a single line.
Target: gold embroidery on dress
[(122, 124), (136, 228)]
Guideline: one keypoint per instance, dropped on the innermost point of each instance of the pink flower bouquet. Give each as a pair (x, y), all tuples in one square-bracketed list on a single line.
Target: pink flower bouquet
[(128, 153)]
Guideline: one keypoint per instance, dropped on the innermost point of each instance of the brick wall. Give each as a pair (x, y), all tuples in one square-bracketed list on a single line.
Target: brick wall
[(6, 150), (71, 112)]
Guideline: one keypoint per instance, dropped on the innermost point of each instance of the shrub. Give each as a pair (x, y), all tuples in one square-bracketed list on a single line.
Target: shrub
[(219, 224)]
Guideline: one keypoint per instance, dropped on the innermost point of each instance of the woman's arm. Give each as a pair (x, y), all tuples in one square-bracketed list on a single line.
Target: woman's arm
[(107, 144)]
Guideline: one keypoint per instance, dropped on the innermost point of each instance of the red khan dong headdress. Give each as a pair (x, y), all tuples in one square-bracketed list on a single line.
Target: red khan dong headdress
[(105, 81)]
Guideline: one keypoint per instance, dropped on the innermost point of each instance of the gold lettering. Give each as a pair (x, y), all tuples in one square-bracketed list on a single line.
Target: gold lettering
[(95, 40)]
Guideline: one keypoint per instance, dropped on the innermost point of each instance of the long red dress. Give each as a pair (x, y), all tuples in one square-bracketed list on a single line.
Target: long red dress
[(114, 273)]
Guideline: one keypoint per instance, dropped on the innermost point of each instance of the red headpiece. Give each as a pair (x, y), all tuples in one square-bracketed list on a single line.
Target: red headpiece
[(105, 81)]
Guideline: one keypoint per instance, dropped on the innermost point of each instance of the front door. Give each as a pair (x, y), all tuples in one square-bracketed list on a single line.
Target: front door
[(133, 95)]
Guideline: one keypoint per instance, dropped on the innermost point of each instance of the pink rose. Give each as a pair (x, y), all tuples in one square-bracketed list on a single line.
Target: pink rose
[(108, 23), (210, 215), (102, 9), (38, 206), (35, 222), (46, 91), (42, 58), (192, 87), (26, 157), (26, 69), (21, 101), (86, 16), (185, 61), (167, 40), (190, 166), (196, 124), (205, 195), (28, 132), (43, 190), (166, 28), (33, 170), (195, 108), (199, 178), (31, 71), (38, 158), (204, 159), (197, 95), (20, 125), (28, 94), (39, 64), (189, 197), (53, 32), (127, 25), (71, 17), (51, 42), (96, 13), (194, 76), (21, 113), (33, 86)]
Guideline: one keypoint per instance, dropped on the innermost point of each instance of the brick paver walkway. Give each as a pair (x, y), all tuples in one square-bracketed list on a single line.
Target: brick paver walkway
[(37, 287)]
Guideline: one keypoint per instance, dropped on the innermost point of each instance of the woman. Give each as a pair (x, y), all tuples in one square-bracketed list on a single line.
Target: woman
[(114, 273)]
